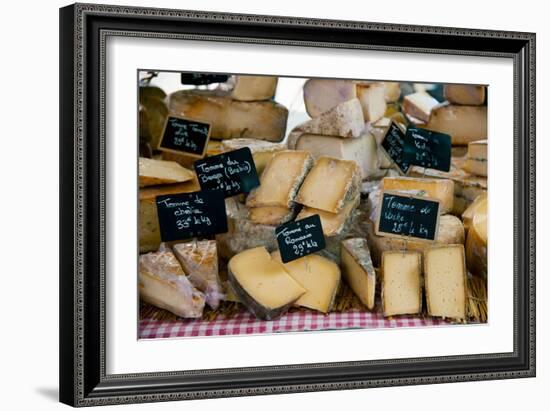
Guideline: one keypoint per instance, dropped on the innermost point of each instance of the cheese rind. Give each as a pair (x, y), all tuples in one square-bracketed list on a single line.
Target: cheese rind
[(254, 88), (471, 211), (465, 94), (270, 215), (476, 158), (358, 270), (320, 278), (321, 95), (419, 105), (263, 284), (476, 242), (372, 97), (445, 281), (153, 172), (401, 283), (332, 223), (262, 151), (463, 123)]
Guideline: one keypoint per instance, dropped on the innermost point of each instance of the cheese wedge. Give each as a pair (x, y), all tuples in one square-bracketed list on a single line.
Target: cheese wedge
[(358, 270), (392, 91), (270, 215), (372, 96), (419, 105), (401, 283), (281, 179), (463, 123), (163, 283), (476, 242), (440, 189), (262, 283), (199, 259), (476, 158), (319, 276), (262, 151), (153, 172), (229, 118), (472, 210), (465, 94), (445, 281), (152, 102), (330, 183), (332, 223), (321, 95), (254, 88)]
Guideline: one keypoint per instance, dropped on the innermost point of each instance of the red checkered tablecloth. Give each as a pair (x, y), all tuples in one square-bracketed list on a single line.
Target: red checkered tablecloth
[(245, 323)]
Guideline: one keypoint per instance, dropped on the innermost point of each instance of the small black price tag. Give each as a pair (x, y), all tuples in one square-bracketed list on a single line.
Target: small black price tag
[(200, 79), (186, 215), (408, 216), (428, 149), (233, 172), (394, 146), (300, 238), (184, 135)]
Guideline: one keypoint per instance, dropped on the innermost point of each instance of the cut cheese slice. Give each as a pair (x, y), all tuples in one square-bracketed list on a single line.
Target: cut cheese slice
[(254, 88), (332, 223), (372, 96), (463, 123), (163, 283), (262, 151), (476, 159), (153, 172), (419, 105), (330, 183), (465, 94), (392, 91), (262, 283), (471, 211), (401, 283), (445, 281), (270, 215), (358, 270), (476, 242), (440, 189), (321, 95), (320, 278), (281, 179)]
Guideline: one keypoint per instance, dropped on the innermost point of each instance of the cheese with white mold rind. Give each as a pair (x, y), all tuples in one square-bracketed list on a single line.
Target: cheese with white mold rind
[(330, 183), (419, 105), (358, 270), (262, 151), (155, 172), (270, 215), (254, 88), (321, 95), (476, 242), (163, 283), (262, 283), (281, 179), (372, 98), (332, 223), (445, 281), (465, 94), (463, 123), (229, 118), (320, 278), (441, 189), (401, 283)]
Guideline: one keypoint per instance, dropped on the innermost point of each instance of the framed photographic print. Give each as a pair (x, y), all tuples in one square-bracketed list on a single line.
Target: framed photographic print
[(259, 204)]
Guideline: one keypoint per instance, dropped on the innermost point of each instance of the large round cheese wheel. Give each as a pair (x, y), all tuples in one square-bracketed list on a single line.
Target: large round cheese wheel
[(476, 242)]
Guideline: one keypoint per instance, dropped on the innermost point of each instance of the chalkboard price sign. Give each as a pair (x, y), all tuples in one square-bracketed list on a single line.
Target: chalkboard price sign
[(187, 215), (232, 172), (300, 238), (183, 135), (394, 145), (427, 149), (408, 216)]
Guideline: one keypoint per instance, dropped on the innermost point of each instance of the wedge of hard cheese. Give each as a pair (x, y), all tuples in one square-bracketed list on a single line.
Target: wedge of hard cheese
[(262, 151), (332, 223), (463, 123), (465, 94), (445, 281), (229, 118), (262, 283), (476, 242), (358, 270), (319, 276), (392, 91), (330, 183), (476, 159), (154, 172), (321, 95), (472, 210), (273, 215), (372, 96), (419, 105), (254, 88), (152, 102), (163, 283), (401, 283)]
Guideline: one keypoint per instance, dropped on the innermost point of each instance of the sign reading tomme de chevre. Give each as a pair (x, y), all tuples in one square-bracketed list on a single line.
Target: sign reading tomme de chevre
[(300, 238), (185, 136)]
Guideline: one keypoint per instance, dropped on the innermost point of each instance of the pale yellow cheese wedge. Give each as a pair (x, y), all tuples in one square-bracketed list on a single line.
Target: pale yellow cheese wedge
[(154, 172), (401, 283)]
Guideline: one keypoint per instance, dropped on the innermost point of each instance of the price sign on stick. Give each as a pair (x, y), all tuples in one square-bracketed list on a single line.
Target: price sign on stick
[(185, 136), (427, 148), (300, 238)]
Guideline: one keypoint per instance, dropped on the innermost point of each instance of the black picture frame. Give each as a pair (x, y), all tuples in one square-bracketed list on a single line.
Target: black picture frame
[(83, 29)]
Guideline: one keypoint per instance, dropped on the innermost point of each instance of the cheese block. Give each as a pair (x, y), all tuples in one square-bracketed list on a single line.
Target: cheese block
[(471, 211), (254, 88), (363, 150), (401, 283), (330, 183), (270, 215), (281, 179), (344, 120), (441, 189), (372, 96), (262, 283), (215, 147), (465, 94), (262, 151), (149, 230), (476, 159), (163, 283), (358, 270), (450, 231), (320, 278), (463, 123), (153, 105), (199, 259), (154, 172), (392, 91), (150, 92), (379, 130), (321, 95), (229, 118), (332, 223), (419, 105), (445, 282), (476, 242)]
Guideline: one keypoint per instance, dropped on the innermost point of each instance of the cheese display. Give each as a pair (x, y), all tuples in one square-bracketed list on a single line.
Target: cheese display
[(320, 278), (445, 281), (229, 118), (262, 151), (401, 282), (262, 283), (476, 158), (358, 270), (254, 88), (465, 94), (419, 105), (372, 97), (476, 241), (463, 123), (321, 95), (154, 172)]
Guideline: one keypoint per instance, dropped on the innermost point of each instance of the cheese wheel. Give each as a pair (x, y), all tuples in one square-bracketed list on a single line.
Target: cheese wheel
[(476, 242)]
